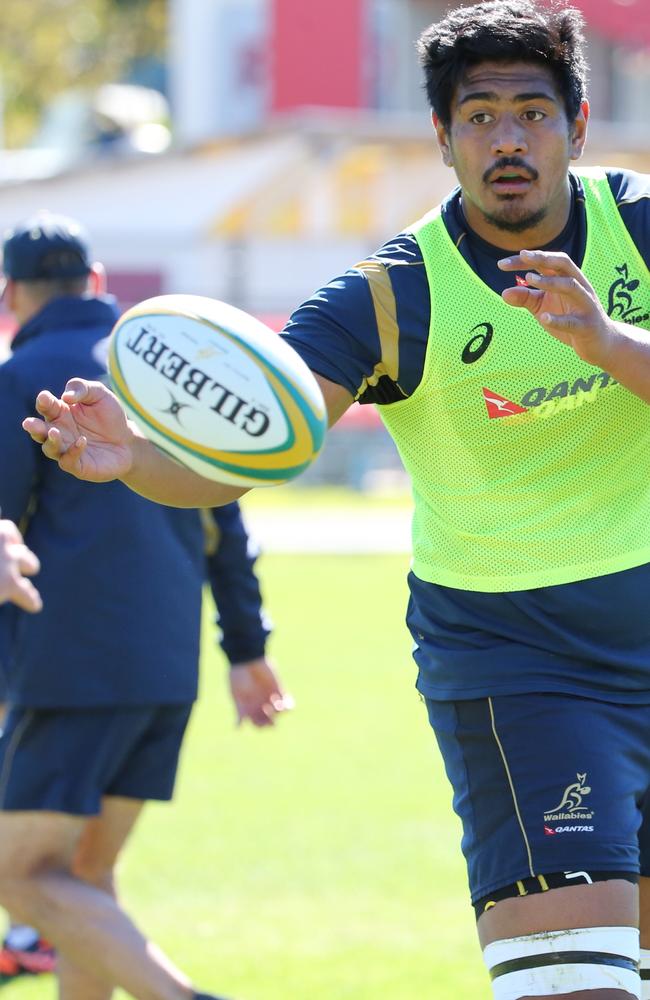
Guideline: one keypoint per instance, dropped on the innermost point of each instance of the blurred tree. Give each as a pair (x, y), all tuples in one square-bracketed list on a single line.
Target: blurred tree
[(47, 46)]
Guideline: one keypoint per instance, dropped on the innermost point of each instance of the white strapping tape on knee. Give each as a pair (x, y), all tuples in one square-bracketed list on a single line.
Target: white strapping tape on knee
[(586, 958), (645, 974)]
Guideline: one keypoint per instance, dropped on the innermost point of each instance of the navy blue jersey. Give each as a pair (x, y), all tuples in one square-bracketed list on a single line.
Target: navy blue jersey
[(121, 577), (593, 633)]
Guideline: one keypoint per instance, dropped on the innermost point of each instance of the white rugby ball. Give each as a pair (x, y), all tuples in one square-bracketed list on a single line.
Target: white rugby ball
[(217, 389)]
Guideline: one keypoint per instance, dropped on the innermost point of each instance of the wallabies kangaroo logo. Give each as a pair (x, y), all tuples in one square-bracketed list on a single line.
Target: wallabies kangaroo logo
[(573, 796), (620, 305)]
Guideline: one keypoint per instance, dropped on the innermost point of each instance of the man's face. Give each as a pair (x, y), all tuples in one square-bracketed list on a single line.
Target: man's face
[(510, 144)]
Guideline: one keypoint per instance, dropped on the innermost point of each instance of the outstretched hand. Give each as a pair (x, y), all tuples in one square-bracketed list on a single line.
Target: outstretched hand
[(85, 431), (257, 692), (563, 301)]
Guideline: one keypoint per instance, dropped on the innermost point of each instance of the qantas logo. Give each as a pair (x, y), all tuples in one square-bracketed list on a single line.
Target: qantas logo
[(499, 406), (541, 402)]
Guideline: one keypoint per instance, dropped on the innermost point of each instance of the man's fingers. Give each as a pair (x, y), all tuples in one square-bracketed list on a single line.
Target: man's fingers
[(282, 702), (36, 428), (526, 298), (10, 532), (259, 715), (561, 322), (72, 460), (26, 596), (48, 405), (262, 713), (27, 561), (80, 390), (54, 447), (560, 262), (564, 285)]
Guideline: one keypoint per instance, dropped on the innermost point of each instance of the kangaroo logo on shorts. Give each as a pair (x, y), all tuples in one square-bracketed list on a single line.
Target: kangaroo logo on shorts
[(570, 807)]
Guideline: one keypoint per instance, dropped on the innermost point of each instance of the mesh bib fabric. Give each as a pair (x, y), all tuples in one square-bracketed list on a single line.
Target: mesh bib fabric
[(529, 466)]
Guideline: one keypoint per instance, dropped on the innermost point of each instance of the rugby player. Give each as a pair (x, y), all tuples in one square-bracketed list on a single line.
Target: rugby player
[(504, 339)]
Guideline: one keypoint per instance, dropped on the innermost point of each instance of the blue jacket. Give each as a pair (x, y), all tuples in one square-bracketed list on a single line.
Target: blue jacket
[(121, 577)]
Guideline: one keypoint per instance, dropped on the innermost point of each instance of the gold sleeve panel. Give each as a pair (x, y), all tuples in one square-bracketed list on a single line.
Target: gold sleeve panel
[(385, 306), (211, 531)]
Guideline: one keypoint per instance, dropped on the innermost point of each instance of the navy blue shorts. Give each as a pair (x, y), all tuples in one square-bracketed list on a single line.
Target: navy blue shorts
[(66, 760), (547, 783)]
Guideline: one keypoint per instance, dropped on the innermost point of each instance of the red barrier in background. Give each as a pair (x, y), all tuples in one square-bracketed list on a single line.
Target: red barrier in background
[(626, 21), (317, 54)]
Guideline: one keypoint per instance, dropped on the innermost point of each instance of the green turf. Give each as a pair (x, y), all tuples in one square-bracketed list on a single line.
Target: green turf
[(318, 861), (336, 497)]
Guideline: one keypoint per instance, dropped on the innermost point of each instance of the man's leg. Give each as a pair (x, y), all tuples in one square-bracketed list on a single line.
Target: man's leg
[(85, 923), (547, 787), (94, 862), (644, 906), (592, 925)]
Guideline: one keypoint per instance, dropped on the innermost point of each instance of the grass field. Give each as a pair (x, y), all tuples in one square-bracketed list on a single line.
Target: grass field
[(317, 861)]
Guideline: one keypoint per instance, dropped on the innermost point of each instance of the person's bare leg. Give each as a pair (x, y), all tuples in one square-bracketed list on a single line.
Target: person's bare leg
[(84, 923), (644, 907), (614, 903), (77, 982), (94, 862)]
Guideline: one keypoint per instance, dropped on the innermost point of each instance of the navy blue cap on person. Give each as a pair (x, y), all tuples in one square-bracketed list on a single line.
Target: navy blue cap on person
[(45, 247)]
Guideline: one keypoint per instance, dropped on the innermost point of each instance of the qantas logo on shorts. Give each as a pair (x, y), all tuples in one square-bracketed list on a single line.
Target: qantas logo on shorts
[(570, 807), (551, 831)]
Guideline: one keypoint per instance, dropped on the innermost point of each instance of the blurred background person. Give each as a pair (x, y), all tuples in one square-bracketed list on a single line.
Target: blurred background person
[(95, 723)]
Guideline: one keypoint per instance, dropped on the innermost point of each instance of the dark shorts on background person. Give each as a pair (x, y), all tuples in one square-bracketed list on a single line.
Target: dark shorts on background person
[(66, 760), (547, 783)]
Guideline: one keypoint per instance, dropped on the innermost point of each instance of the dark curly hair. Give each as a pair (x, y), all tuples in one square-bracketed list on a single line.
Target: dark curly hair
[(504, 31)]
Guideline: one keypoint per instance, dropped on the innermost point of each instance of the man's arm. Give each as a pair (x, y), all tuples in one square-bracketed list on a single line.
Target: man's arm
[(230, 569), (255, 687), (18, 459), (564, 303), (87, 432)]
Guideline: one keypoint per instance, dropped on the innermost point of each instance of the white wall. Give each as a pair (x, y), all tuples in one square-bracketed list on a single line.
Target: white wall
[(217, 67)]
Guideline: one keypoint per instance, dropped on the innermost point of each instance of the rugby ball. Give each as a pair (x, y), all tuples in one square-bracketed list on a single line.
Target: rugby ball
[(217, 389)]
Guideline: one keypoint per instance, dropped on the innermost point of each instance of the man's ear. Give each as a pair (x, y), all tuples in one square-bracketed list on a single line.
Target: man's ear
[(9, 294), (97, 279), (579, 131), (443, 140)]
